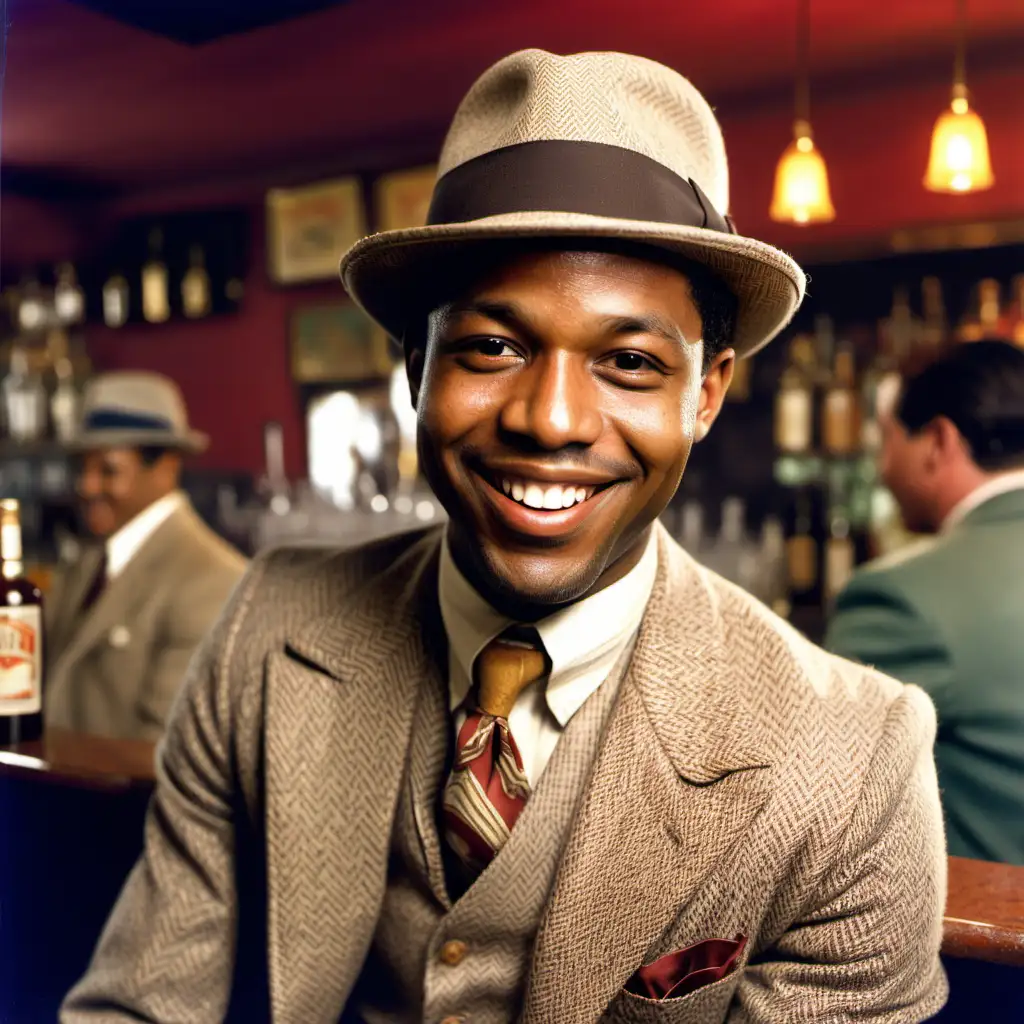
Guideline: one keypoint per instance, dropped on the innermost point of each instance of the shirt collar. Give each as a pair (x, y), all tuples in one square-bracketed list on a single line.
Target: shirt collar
[(1001, 484), (581, 652), (124, 545)]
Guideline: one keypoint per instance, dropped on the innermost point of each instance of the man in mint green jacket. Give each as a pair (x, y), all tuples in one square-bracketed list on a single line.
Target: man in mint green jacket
[(948, 613)]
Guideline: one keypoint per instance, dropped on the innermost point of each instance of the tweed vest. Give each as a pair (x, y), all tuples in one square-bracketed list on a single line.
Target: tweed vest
[(409, 975)]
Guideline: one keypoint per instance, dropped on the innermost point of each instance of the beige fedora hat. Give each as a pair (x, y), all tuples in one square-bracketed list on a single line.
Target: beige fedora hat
[(593, 145), (132, 409)]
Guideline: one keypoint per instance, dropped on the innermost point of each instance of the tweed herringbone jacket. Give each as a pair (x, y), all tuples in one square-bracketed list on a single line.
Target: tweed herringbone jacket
[(747, 782)]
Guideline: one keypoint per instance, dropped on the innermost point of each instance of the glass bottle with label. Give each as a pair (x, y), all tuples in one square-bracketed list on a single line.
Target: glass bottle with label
[(195, 286), (24, 399), (115, 300), (32, 312), (840, 551), (794, 402), (68, 297), (936, 327), (64, 398), (982, 319), (21, 638), (156, 306), (802, 553), (840, 421), (1014, 314)]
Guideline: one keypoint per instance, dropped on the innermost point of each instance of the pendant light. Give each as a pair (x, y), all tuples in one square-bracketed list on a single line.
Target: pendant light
[(801, 194), (959, 160)]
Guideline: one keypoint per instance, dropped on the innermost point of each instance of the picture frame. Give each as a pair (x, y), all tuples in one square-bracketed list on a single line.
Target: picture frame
[(402, 198), (308, 229), (337, 343)]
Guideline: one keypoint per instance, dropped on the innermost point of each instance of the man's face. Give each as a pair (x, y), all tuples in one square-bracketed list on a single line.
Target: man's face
[(905, 466), (558, 400), (114, 485)]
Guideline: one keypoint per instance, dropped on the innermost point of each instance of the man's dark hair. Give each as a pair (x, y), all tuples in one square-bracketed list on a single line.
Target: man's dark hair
[(151, 454), (714, 300), (979, 387)]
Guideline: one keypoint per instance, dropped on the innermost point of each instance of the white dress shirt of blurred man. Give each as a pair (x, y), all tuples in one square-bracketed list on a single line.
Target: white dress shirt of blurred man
[(126, 612)]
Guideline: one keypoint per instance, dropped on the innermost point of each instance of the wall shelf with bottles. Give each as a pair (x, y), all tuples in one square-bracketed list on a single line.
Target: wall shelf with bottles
[(799, 447)]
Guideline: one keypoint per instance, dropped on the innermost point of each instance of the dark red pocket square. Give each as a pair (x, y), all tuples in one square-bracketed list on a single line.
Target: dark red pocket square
[(686, 970)]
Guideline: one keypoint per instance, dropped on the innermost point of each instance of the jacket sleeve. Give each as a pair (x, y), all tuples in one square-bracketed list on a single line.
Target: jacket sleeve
[(194, 609), (866, 948), (167, 951), (876, 624)]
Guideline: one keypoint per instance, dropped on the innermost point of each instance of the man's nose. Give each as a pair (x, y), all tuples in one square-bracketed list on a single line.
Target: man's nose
[(555, 403)]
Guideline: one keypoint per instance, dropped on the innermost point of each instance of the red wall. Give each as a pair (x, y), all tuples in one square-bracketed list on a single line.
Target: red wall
[(234, 370)]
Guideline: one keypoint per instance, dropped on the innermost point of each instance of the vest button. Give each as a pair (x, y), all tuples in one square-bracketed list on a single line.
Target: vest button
[(453, 953)]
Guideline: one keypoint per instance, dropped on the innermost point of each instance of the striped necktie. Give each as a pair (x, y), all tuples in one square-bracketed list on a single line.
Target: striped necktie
[(487, 788)]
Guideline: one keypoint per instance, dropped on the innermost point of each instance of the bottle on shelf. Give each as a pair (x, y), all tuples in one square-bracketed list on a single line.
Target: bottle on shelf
[(794, 401), (32, 307), (982, 318), (21, 638), (115, 300), (840, 552), (691, 530), (1013, 317), (733, 554), (64, 398), (24, 399), (195, 286), (68, 297), (802, 569), (824, 348), (274, 485), (840, 420), (935, 330), (772, 587), (156, 306)]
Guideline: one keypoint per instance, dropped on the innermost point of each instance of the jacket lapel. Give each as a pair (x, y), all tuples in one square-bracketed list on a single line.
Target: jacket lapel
[(680, 777), (116, 604), (63, 604), (339, 709)]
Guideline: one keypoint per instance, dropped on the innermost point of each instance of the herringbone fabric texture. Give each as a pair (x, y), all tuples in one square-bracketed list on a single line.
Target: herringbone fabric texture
[(746, 782), (611, 99), (405, 980)]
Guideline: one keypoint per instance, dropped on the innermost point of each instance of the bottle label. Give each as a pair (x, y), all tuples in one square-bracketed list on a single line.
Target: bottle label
[(793, 417), (21, 661)]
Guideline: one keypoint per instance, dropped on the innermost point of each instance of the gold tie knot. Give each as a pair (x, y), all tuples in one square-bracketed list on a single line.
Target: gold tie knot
[(504, 668)]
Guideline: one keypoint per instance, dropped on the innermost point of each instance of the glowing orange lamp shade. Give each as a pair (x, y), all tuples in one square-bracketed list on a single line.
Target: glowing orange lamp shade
[(959, 160), (801, 194)]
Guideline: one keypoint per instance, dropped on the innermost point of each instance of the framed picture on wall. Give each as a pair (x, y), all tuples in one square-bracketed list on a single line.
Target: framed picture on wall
[(308, 229), (402, 198), (337, 343)]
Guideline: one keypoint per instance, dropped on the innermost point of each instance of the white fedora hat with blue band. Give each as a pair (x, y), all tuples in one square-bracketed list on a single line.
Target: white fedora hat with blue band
[(134, 409)]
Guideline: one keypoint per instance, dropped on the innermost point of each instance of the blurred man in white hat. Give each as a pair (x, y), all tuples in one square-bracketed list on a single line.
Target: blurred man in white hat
[(125, 616), (537, 765)]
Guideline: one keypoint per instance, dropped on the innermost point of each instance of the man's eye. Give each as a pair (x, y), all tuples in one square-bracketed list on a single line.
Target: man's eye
[(493, 347), (631, 362)]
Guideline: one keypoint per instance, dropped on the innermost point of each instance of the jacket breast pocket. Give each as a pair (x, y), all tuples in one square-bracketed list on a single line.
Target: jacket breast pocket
[(707, 1005)]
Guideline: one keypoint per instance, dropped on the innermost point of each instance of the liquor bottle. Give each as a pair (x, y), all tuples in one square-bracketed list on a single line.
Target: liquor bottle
[(274, 485), (794, 405), (115, 300), (840, 553), (936, 326), (68, 297), (24, 399), (1014, 314), (840, 420), (691, 532), (32, 307), (824, 348), (21, 638), (195, 286), (156, 306), (771, 558), (982, 317), (64, 397), (802, 553)]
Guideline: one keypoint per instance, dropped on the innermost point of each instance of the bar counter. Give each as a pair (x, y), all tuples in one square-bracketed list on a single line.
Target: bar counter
[(77, 803)]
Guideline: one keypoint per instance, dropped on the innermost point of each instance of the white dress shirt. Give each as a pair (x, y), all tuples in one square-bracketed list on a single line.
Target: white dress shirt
[(583, 640), (1001, 484), (124, 545)]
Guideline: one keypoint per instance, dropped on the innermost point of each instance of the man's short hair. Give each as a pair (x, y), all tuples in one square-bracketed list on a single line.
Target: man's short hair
[(712, 296), (979, 387)]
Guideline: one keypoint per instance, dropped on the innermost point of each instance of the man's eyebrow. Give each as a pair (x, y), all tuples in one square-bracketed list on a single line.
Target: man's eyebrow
[(646, 323), (511, 314)]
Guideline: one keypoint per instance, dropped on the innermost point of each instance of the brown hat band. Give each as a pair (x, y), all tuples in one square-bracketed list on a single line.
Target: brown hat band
[(572, 177)]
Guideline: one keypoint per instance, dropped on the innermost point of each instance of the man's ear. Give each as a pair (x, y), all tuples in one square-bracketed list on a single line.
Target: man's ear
[(414, 346), (712, 392), (948, 444)]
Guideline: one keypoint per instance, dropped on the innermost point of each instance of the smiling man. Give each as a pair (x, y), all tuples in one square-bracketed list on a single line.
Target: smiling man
[(539, 765)]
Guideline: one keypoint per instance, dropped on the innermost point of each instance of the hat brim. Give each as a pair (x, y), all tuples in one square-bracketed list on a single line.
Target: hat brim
[(192, 443), (382, 272)]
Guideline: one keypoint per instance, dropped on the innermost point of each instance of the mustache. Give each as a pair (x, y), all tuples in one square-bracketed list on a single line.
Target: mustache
[(565, 458)]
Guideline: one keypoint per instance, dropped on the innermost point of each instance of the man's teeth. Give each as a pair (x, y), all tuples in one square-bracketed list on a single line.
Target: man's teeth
[(547, 496)]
